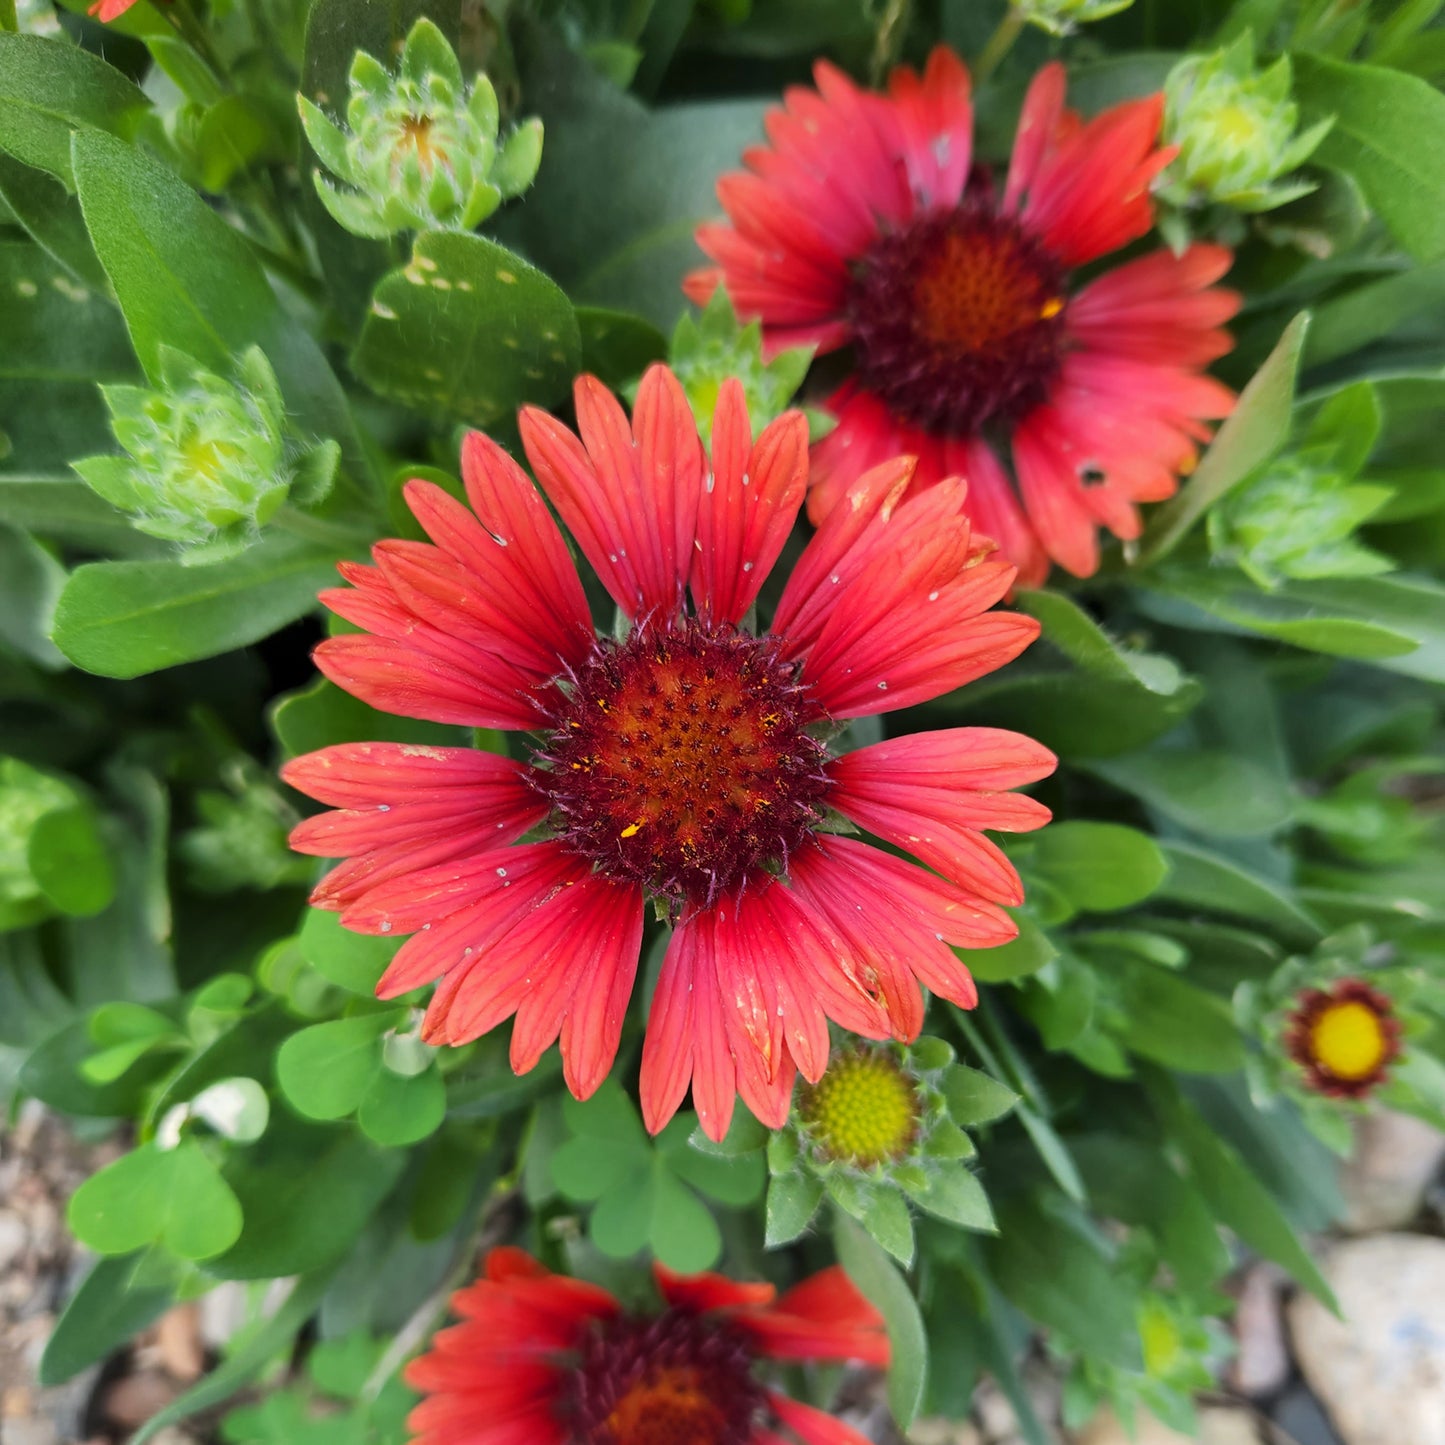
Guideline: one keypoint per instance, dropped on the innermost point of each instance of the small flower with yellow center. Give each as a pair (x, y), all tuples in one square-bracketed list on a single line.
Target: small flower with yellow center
[(1235, 128), (1344, 1038), (881, 1128), (208, 461), (421, 149)]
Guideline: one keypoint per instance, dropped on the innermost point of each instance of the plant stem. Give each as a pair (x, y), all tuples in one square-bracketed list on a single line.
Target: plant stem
[(892, 25), (348, 537), (999, 45)]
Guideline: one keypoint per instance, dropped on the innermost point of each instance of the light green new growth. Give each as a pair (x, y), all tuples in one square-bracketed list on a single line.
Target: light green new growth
[(1235, 127), (207, 461), (421, 149)]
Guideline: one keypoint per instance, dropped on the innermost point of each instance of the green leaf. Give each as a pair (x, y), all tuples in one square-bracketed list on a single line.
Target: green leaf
[(397, 1111), (1054, 1152), (793, 1201), (469, 330), (307, 1191), (1200, 879), (1129, 1181), (1250, 435), (885, 1216), (616, 346), (1387, 129), (1060, 1277), (683, 1233), (1018, 958), (353, 961), (1173, 1023), (173, 1197), (1237, 1197), (50, 87), (187, 280), (622, 188), (325, 1070), (30, 584), (736, 1180), (1354, 318), (63, 509), (1328, 617), (67, 858), (880, 1283), (1211, 791), (956, 1195), (621, 1223), (115, 1302), (1099, 867), (974, 1097), (126, 619)]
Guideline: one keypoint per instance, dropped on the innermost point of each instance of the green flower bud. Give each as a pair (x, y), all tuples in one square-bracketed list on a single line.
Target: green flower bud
[(1297, 521), (421, 148), (241, 840), (875, 1134), (208, 461), (707, 351), (1060, 17), (1235, 127)]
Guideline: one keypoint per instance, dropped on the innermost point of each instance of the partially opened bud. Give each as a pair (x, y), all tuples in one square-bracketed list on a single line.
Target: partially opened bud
[(1235, 127), (421, 148), (207, 463)]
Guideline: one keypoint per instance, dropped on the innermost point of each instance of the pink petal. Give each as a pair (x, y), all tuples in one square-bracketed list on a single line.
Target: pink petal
[(748, 509)]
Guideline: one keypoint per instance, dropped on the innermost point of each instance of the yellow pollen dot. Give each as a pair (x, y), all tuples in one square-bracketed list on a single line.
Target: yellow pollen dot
[(1186, 467), (1051, 307), (632, 829), (1349, 1040), (864, 1110)]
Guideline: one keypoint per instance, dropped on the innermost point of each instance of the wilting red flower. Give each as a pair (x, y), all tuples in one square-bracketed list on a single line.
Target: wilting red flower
[(685, 762), (544, 1360), (1344, 1038), (866, 224)]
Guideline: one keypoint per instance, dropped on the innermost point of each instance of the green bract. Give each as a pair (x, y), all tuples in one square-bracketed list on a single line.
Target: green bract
[(421, 149), (208, 463), (1237, 131), (1059, 17)]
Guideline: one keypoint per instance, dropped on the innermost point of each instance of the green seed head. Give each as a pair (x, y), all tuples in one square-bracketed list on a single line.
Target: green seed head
[(865, 1110)]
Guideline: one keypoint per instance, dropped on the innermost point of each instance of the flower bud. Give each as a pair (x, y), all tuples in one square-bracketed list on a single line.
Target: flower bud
[(707, 351), (1059, 17), (208, 463), (26, 796), (421, 148), (1235, 128), (876, 1132)]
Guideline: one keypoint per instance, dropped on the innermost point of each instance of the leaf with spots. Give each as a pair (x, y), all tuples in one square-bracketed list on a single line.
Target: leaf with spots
[(468, 330)]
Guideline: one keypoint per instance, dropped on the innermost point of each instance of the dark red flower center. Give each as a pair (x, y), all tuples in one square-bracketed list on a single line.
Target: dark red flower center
[(676, 1379), (958, 319), (1344, 1038), (681, 758)]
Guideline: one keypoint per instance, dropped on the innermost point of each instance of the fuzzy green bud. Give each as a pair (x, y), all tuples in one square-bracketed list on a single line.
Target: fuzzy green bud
[(1236, 129), (707, 351), (421, 149), (207, 461), (1060, 17)]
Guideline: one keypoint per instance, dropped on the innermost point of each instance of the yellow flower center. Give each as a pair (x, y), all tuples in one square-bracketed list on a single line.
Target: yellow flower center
[(864, 1110), (668, 1407), (1349, 1040)]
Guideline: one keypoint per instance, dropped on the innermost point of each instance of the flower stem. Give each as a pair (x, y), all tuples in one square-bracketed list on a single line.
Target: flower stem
[(999, 44), (346, 537), (892, 25)]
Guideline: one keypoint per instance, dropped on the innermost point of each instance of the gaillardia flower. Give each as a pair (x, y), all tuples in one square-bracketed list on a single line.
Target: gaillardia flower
[(866, 224), (684, 759), (544, 1360), (1344, 1038)]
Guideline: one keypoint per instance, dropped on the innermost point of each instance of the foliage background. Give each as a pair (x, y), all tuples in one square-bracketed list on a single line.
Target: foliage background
[(1249, 723)]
